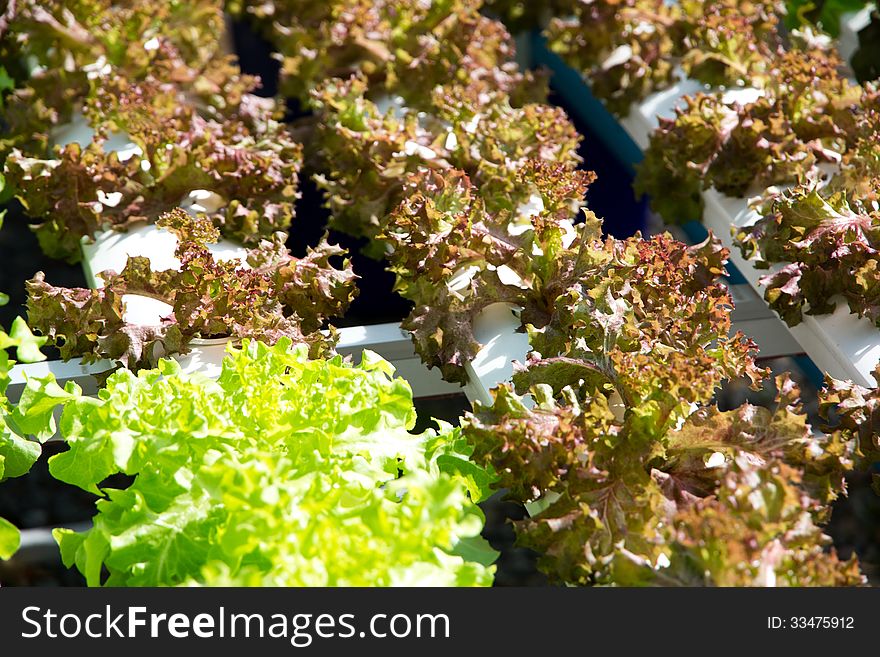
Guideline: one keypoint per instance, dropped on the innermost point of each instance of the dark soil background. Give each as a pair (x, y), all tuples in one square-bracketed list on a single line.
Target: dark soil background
[(37, 500)]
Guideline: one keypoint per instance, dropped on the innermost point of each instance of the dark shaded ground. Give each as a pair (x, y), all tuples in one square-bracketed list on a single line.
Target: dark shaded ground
[(21, 258)]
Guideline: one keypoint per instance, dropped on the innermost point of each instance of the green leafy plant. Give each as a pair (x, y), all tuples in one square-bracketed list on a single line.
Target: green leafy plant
[(826, 14), (824, 234), (454, 257), (468, 202), (17, 452), (828, 243), (53, 49), (622, 63), (627, 49), (371, 160), (283, 471)]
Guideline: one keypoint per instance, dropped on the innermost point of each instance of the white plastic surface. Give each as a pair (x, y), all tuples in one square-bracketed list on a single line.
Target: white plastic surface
[(111, 249), (496, 329), (841, 343), (206, 356), (851, 23), (395, 345), (643, 117), (78, 131)]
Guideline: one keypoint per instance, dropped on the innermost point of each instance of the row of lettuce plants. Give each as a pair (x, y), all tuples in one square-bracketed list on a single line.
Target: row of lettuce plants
[(810, 136), (806, 152), (431, 144), (807, 120), (631, 48)]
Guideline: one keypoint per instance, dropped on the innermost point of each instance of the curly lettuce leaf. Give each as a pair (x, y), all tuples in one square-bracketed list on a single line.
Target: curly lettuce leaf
[(58, 51), (624, 49), (18, 452), (757, 531), (614, 501), (87, 29), (453, 257), (283, 471), (164, 112), (809, 115), (272, 295), (828, 249), (649, 319), (629, 49), (246, 163), (621, 447), (821, 237), (854, 411), (729, 42), (64, 44), (10, 539)]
